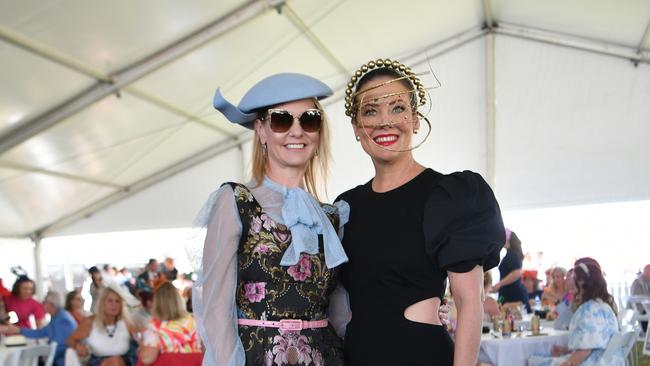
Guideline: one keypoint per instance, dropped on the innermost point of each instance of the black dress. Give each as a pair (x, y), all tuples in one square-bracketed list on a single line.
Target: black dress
[(401, 243)]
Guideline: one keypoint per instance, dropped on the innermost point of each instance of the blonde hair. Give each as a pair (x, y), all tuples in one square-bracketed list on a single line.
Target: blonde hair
[(100, 316), (167, 303), (562, 271), (317, 168)]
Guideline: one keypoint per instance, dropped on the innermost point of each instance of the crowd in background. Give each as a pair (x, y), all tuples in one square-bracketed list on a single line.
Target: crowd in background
[(576, 300), (133, 318), (148, 314)]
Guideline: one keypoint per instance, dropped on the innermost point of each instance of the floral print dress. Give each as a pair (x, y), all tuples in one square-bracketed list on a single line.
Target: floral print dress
[(174, 336), (268, 291), (591, 327)]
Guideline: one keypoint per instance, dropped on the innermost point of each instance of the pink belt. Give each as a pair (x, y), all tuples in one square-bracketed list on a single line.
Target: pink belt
[(285, 324)]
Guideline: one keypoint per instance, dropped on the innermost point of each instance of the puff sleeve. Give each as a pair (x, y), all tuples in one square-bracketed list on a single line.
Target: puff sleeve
[(462, 223)]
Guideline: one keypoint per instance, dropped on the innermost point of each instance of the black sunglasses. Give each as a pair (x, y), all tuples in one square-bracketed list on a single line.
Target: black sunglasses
[(281, 120)]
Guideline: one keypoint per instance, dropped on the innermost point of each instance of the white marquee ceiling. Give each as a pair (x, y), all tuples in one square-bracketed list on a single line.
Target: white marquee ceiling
[(100, 100)]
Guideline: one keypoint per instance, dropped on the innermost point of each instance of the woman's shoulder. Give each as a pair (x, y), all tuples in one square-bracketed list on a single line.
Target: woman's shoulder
[(594, 305), (86, 324), (462, 222), (350, 195), (186, 322), (461, 185), (460, 196)]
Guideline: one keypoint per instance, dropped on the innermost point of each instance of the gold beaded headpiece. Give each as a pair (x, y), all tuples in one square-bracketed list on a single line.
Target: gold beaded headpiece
[(382, 63)]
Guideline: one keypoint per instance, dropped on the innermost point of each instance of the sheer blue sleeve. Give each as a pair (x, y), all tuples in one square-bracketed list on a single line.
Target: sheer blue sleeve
[(212, 249)]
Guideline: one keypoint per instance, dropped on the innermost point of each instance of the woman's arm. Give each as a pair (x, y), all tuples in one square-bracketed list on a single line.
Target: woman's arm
[(213, 295), (468, 296), (508, 279), (577, 357), (148, 354), (491, 307), (549, 297), (82, 332), (339, 310)]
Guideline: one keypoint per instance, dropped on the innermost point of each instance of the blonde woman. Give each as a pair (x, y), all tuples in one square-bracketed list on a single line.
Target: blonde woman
[(270, 250), (105, 337), (557, 291), (172, 329)]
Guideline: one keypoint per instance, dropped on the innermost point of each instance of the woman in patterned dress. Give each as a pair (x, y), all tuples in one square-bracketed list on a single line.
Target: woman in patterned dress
[(172, 329), (593, 324), (270, 249)]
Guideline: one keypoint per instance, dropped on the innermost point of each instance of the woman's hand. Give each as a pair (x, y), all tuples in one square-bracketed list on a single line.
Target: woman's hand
[(495, 288), (9, 329), (559, 350), (81, 350), (443, 314)]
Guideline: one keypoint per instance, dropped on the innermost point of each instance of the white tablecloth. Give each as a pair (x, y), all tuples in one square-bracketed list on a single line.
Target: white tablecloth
[(516, 350)]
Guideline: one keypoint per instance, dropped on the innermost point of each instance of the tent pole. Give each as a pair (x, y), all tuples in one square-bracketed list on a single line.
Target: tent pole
[(490, 110), (38, 266)]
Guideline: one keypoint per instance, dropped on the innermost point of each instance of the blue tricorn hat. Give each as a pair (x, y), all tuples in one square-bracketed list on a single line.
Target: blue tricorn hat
[(275, 89)]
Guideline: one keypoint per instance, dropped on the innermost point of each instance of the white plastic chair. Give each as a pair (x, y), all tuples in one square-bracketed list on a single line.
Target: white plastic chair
[(626, 317), (622, 342), (646, 341), (30, 355)]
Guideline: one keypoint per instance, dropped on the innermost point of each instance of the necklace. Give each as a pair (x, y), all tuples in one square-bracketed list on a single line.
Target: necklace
[(110, 331)]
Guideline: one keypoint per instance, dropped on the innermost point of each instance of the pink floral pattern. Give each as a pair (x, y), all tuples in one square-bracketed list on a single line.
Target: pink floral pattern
[(255, 292), (267, 222), (283, 236), (292, 348), (256, 225), (268, 290), (301, 270), (261, 248)]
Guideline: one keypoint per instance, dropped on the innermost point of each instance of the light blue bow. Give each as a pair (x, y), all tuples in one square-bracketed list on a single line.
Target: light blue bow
[(305, 218)]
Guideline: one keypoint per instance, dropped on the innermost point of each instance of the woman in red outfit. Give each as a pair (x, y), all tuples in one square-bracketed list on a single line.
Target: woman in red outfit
[(21, 301)]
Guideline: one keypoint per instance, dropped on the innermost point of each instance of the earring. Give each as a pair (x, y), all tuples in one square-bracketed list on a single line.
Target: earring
[(415, 131), (264, 147), (358, 138)]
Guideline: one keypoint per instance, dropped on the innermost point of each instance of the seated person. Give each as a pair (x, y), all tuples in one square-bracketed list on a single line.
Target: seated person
[(557, 290), (593, 324), (105, 337), (21, 301), (564, 310), (74, 304), (172, 329), (141, 317), (57, 330), (532, 284)]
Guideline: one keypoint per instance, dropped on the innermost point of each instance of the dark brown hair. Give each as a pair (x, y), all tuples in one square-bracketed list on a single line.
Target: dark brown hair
[(590, 283), (15, 290), (515, 245), (68, 299)]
